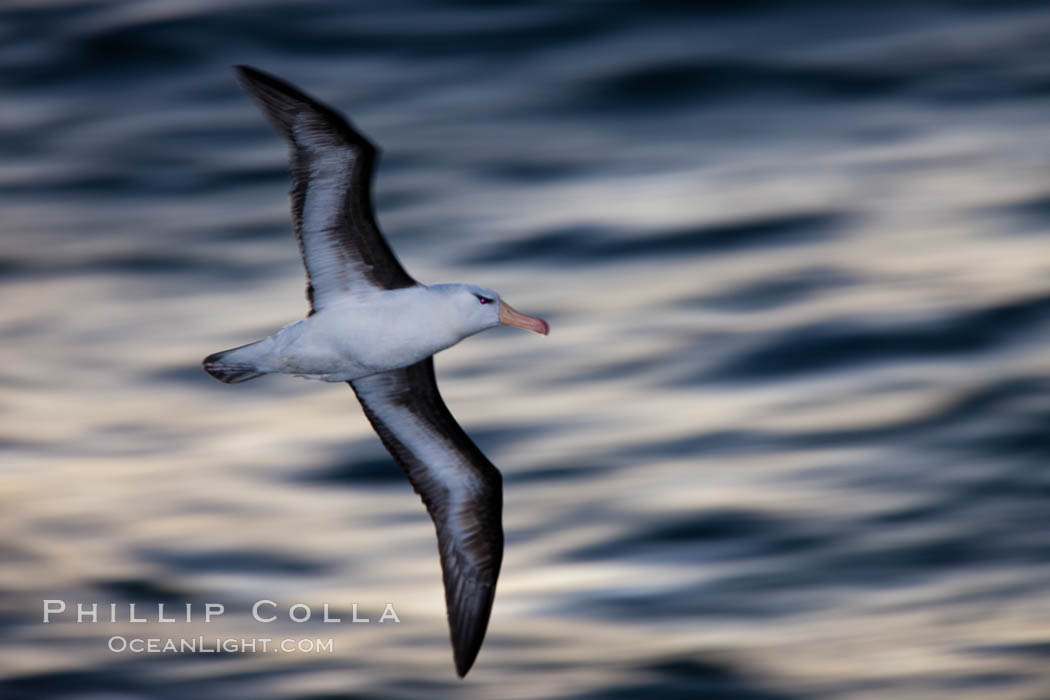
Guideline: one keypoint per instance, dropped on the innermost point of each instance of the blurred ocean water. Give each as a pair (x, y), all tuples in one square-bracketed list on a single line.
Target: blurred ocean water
[(789, 435)]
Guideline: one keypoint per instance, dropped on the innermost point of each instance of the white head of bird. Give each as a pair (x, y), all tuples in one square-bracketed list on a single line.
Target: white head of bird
[(473, 309)]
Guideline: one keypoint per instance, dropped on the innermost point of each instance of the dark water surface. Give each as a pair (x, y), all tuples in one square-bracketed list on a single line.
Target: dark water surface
[(788, 438)]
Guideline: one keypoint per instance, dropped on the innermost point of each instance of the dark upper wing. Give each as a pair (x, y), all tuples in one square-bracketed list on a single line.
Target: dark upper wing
[(461, 489), (332, 164)]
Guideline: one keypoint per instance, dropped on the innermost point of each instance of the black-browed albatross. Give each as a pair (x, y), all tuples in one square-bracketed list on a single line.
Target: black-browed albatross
[(372, 325)]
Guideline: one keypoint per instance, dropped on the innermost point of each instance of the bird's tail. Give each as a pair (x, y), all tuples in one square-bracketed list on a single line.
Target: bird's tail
[(234, 365)]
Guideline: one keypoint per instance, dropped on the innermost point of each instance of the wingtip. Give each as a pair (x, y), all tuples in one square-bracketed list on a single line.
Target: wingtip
[(243, 71), (249, 76), (468, 622), (465, 661), (281, 101)]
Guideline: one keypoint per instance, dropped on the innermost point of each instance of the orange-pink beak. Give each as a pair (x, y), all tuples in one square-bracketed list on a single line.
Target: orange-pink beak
[(512, 317)]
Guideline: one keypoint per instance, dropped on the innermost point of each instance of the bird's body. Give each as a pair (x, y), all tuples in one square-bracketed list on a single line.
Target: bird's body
[(360, 335), (372, 325)]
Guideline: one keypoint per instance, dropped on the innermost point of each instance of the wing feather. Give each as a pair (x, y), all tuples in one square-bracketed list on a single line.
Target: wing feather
[(332, 165), (460, 487)]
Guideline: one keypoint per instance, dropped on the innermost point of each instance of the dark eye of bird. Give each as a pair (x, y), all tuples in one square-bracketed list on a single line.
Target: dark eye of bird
[(483, 300)]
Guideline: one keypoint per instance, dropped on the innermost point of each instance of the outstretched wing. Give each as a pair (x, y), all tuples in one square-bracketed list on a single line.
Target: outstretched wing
[(461, 489), (342, 247)]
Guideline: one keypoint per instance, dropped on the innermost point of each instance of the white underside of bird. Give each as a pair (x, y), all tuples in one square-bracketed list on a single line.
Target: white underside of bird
[(357, 335)]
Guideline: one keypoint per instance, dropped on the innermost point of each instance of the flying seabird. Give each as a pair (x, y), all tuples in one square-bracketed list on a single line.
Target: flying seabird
[(371, 325)]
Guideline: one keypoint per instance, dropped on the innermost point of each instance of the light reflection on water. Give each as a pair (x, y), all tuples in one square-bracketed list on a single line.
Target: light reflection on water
[(786, 438)]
